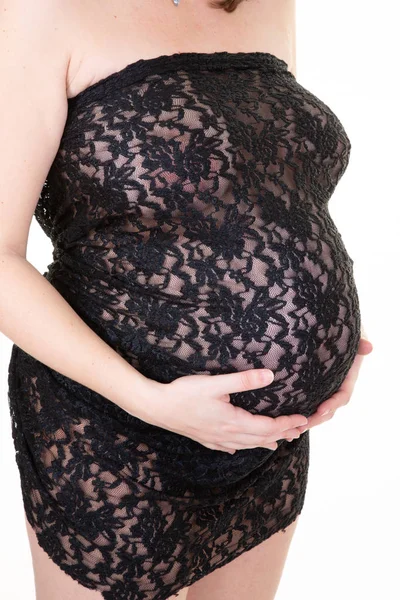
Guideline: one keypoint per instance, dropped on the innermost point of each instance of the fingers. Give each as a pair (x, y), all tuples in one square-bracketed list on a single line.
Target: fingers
[(317, 419), (255, 442), (242, 440), (365, 347), (245, 422), (354, 371), (229, 383), (255, 431), (340, 398), (236, 446), (343, 395), (232, 448)]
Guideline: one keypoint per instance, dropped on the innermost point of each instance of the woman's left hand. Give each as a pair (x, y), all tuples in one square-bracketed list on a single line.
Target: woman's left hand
[(327, 409)]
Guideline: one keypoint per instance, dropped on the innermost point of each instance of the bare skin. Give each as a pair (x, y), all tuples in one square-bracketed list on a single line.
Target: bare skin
[(96, 39), (120, 33)]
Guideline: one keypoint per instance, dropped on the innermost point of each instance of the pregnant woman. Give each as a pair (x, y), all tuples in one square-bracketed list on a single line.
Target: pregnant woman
[(200, 312)]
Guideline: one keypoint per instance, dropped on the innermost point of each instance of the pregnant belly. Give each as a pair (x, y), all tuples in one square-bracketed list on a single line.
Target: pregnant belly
[(294, 313)]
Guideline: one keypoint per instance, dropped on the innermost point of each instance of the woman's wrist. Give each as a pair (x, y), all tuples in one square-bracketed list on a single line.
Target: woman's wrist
[(136, 394)]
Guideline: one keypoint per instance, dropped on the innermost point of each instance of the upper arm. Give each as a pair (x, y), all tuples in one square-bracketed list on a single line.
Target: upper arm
[(33, 110)]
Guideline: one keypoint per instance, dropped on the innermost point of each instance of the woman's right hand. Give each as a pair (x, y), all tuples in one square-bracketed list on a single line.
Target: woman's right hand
[(198, 407)]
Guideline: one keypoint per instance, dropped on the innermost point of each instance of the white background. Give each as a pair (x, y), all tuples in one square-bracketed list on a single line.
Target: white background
[(347, 538)]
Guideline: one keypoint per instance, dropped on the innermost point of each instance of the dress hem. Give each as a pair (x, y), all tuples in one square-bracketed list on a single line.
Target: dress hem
[(105, 594)]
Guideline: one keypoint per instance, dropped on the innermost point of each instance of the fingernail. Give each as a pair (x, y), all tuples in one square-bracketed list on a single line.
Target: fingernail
[(325, 413), (267, 373)]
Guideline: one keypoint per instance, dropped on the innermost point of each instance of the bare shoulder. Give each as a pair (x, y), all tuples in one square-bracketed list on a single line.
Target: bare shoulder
[(44, 20), (291, 21), (276, 26), (34, 35)]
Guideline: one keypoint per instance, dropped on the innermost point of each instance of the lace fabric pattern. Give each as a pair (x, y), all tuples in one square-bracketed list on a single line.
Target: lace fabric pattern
[(188, 210)]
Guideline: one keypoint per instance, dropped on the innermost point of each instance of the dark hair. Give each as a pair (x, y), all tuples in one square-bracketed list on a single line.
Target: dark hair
[(228, 5)]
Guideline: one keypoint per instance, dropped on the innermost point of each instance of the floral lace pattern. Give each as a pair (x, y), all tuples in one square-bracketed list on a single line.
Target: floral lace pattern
[(188, 209)]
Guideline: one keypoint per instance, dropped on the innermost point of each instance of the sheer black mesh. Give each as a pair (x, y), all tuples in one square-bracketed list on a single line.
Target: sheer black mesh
[(188, 208)]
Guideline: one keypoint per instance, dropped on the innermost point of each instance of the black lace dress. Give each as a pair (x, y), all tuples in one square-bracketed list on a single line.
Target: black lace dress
[(188, 209)]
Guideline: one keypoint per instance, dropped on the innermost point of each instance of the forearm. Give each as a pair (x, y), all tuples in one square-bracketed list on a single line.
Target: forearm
[(35, 316)]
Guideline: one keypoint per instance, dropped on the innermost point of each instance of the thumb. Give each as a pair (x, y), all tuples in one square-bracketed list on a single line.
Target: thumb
[(364, 347)]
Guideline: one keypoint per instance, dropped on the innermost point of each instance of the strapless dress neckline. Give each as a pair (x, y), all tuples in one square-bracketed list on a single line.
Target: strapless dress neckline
[(140, 69)]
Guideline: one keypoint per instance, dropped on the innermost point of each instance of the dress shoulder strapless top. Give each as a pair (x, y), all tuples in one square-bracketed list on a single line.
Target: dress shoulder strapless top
[(187, 206)]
